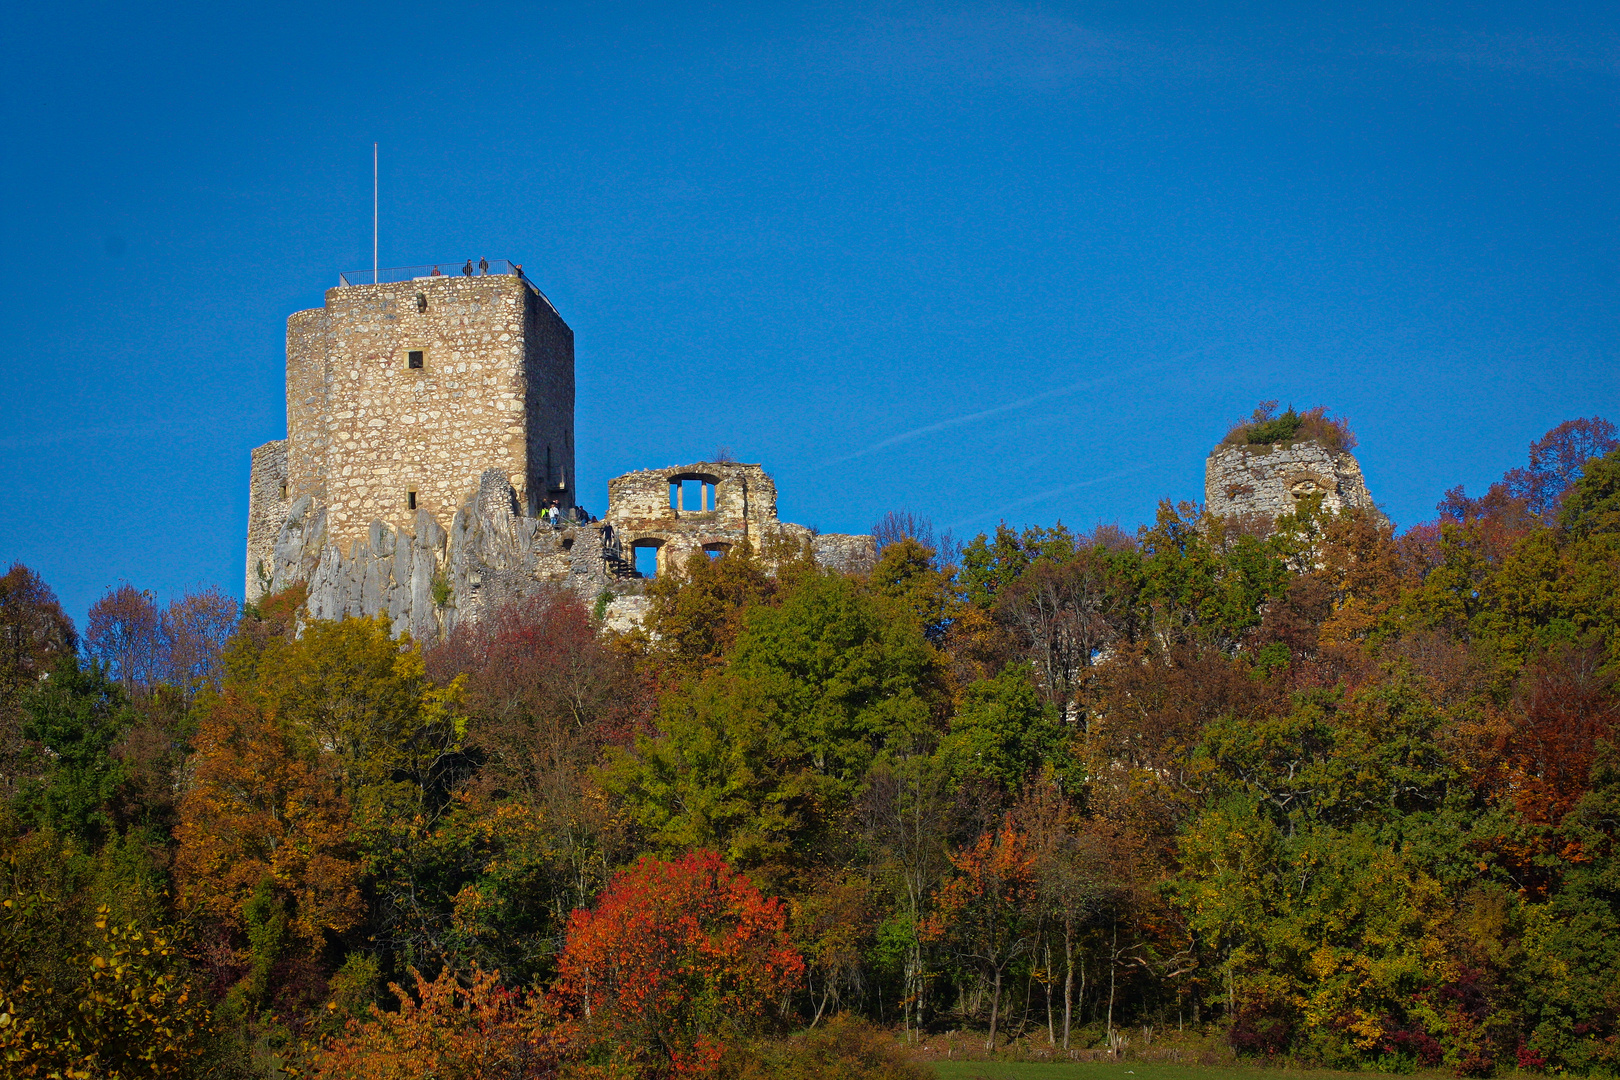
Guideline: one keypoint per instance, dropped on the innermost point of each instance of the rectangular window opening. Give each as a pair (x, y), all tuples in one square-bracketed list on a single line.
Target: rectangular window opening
[(414, 359), (691, 496), (410, 500), (647, 561)]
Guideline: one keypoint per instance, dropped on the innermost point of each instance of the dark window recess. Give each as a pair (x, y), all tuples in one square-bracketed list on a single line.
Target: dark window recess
[(414, 358), (410, 496)]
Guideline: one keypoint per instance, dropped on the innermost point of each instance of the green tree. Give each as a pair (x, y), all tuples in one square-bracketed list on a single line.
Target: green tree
[(907, 574), (757, 758), (79, 717), (1003, 731), (990, 564), (1592, 504)]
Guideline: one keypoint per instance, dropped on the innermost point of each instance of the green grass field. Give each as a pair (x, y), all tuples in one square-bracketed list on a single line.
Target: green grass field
[(1128, 1070)]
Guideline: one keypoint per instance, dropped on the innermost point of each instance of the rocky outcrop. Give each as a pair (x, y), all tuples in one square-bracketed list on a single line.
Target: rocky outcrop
[(1270, 480), (428, 579)]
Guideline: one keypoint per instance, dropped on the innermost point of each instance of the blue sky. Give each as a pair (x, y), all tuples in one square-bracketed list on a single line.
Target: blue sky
[(978, 260)]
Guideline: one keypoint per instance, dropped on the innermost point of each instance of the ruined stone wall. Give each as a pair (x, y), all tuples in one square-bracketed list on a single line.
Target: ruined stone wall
[(366, 429), (845, 554), (1270, 480), (743, 510), (268, 503), (426, 577)]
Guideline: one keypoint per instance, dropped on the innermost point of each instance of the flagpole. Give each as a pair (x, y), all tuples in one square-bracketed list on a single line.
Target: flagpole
[(374, 213)]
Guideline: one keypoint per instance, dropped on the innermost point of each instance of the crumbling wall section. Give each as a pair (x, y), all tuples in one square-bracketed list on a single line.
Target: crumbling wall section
[(1270, 480), (268, 503), (743, 511), (845, 554)]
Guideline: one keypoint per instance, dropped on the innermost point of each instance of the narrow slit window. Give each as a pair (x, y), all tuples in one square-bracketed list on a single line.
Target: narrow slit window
[(410, 500), (414, 359)]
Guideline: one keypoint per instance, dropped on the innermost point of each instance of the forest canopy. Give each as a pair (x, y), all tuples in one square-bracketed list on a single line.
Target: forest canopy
[(1327, 792)]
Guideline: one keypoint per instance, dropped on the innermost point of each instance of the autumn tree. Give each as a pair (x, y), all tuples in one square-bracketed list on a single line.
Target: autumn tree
[(93, 981), (699, 608), (832, 924), (1071, 880), (266, 846), (124, 632), (1556, 462), (1064, 613), (674, 958), (984, 909)]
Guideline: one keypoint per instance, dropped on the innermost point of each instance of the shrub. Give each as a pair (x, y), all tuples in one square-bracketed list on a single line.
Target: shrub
[(1259, 1030), (449, 1031), (845, 1048), (1264, 427)]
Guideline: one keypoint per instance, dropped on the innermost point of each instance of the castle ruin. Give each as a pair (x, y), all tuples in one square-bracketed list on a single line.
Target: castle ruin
[(1272, 479), (430, 420)]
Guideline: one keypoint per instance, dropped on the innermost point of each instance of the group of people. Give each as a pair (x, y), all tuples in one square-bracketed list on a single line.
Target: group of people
[(553, 515), (483, 268)]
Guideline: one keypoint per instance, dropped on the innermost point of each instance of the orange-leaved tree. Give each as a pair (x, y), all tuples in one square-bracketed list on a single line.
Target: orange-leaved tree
[(261, 828), (984, 909), (450, 1032), (674, 956)]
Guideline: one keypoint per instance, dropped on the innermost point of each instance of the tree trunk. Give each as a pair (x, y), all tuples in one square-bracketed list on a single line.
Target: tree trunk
[(1113, 955), (1068, 978), (1046, 984), (995, 1010), (810, 985)]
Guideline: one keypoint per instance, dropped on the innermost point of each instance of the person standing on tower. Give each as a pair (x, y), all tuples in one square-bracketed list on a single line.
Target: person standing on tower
[(466, 271), (483, 266)]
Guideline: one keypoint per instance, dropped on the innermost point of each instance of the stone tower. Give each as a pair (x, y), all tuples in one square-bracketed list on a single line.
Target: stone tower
[(1271, 479), (401, 395)]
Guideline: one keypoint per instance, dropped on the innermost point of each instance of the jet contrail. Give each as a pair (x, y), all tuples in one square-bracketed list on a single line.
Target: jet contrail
[(968, 418), (1042, 495)]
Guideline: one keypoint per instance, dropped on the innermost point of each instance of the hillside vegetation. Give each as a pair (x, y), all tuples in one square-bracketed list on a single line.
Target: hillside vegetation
[(1330, 795)]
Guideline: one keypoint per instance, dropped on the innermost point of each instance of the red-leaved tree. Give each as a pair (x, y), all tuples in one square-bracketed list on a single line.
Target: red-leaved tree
[(675, 956)]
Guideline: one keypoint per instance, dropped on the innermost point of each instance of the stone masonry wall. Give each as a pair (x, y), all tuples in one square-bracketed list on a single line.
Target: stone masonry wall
[(549, 379), (366, 430), (1269, 480), (268, 503), (744, 509)]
